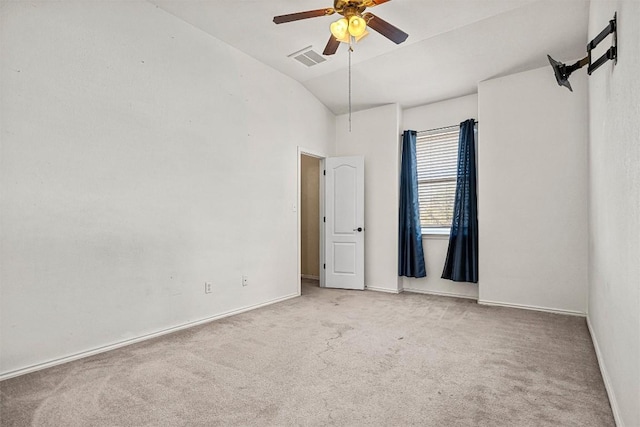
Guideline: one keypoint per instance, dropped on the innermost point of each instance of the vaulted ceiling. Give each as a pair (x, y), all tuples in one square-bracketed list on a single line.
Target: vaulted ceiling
[(452, 44)]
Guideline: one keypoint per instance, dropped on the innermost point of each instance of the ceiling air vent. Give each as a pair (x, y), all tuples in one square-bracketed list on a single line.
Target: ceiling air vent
[(307, 56)]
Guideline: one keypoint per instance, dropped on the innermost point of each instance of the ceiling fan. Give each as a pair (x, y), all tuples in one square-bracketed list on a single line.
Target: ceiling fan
[(353, 24)]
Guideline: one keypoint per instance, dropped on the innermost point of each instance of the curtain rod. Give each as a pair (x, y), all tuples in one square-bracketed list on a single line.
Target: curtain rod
[(442, 128)]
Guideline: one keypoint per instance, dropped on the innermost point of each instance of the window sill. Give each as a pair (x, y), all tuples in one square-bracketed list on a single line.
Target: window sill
[(436, 233)]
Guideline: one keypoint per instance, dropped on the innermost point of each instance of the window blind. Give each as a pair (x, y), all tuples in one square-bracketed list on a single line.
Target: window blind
[(437, 157)]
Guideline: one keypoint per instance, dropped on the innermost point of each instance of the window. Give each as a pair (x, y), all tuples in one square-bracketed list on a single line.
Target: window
[(437, 158)]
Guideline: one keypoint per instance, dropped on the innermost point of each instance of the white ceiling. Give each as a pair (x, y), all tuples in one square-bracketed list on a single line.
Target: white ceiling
[(452, 44)]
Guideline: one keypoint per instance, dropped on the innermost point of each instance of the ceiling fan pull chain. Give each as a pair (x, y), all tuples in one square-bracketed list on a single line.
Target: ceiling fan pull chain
[(350, 50)]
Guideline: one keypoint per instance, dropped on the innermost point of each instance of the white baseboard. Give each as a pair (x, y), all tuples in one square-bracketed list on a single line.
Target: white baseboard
[(440, 293), (533, 307), (605, 377), (310, 277), (98, 350), (387, 290)]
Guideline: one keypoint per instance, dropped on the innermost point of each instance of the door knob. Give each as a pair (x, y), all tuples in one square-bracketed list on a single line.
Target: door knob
[(359, 229)]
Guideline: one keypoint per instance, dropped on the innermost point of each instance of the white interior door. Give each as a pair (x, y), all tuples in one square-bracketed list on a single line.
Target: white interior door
[(344, 222)]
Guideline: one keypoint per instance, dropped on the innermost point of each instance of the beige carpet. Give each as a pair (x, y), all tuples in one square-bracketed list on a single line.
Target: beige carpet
[(334, 357)]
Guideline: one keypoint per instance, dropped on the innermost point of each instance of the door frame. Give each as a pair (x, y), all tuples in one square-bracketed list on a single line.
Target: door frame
[(321, 156)]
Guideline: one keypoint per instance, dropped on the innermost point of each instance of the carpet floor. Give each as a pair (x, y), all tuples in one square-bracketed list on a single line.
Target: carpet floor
[(333, 357)]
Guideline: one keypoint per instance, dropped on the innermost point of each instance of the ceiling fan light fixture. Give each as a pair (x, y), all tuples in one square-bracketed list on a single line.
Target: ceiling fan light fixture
[(340, 28), (357, 26)]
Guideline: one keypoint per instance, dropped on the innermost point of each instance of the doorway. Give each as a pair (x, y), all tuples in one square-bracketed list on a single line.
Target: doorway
[(310, 225), (310, 220), (343, 247)]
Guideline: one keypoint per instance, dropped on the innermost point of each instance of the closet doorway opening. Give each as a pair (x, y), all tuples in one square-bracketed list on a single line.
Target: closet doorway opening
[(310, 224)]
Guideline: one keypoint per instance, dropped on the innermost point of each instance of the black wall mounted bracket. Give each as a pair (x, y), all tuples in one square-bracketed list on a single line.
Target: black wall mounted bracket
[(563, 71), (611, 53)]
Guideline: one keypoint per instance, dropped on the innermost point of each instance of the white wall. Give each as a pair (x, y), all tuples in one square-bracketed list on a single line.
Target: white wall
[(614, 206), (375, 135), (140, 158), (440, 114), (532, 191)]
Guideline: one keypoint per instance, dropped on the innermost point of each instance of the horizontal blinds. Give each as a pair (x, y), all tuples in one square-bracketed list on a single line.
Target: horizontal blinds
[(437, 156)]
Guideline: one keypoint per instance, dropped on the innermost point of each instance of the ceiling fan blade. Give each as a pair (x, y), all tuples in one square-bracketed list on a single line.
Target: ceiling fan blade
[(281, 19), (391, 32), (332, 46)]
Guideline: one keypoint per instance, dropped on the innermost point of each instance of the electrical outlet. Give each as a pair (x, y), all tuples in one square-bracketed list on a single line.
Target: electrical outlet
[(207, 287), (245, 280)]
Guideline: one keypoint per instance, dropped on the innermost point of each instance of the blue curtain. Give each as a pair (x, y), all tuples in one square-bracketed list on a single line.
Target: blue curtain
[(410, 254), (462, 257)]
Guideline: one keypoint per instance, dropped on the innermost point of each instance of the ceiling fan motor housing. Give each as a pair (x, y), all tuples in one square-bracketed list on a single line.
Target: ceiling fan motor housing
[(348, 8)]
